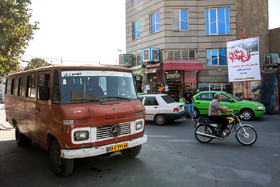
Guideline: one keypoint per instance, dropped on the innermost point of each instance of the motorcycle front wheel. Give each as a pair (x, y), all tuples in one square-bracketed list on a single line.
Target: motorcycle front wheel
[(201, 132), (246, 135)]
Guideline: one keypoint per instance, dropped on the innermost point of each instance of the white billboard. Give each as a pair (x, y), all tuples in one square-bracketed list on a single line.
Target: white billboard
[(243, 60)]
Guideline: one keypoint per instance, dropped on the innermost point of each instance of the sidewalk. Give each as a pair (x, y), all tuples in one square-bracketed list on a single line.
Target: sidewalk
[(7, 132), (3, 123)]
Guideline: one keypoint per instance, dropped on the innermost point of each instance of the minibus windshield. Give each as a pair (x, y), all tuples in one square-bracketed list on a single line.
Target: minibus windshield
[(81, 86)]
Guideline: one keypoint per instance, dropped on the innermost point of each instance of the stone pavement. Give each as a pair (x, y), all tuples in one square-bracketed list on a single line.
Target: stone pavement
[(5, 127)]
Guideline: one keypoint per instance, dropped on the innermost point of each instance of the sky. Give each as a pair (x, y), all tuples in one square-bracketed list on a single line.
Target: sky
[(76, 32)]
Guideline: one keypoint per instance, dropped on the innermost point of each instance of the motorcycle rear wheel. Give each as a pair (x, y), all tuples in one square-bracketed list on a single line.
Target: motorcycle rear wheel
[(203, 129), (246, 135)]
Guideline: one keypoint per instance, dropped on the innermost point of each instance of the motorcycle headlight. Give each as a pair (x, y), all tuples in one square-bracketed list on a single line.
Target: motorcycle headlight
[(241, 116), (81, 135)]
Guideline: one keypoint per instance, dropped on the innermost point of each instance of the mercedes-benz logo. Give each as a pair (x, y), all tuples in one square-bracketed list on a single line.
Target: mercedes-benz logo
[(115, 130)]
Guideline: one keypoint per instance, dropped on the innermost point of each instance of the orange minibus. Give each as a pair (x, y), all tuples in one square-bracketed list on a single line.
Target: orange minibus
[(76, 112)]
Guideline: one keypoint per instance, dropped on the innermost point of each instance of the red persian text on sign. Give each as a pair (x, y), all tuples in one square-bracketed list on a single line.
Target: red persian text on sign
[(239, 55)]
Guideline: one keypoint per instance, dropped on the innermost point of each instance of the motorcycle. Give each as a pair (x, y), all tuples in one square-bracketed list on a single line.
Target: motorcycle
[(206, 130)]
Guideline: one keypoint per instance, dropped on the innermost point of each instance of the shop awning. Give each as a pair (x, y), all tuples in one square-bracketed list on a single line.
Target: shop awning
[(189, 65), (138, 70), (152, 68)]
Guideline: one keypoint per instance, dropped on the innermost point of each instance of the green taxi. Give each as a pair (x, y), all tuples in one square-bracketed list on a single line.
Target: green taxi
[(248, 109)]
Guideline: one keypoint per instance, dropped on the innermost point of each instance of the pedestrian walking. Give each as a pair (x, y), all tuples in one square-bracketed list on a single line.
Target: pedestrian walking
[(187, 98)]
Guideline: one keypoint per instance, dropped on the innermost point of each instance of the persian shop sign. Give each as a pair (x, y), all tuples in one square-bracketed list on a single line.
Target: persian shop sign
[(243, 60)]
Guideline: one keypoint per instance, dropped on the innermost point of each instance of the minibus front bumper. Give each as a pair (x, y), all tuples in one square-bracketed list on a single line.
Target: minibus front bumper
[(95, 151)]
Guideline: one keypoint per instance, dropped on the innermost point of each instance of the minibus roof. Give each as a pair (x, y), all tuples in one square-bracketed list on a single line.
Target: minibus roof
[(67, 67)]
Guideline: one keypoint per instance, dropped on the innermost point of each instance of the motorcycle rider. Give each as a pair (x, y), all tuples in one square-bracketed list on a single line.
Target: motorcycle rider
[(214, 114)]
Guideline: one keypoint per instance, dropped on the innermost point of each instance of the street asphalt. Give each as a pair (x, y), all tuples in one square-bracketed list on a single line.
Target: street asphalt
[(171, 157)]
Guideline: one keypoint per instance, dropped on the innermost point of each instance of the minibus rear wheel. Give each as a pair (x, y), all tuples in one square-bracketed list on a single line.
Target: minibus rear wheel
[(61, 166), (21, 139), (131, 152)]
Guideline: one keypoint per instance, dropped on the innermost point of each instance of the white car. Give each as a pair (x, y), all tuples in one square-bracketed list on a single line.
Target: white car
[(161, 108)]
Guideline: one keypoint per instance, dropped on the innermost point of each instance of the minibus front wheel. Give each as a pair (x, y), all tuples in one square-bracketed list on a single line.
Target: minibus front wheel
[(61, 166), (131, 152)]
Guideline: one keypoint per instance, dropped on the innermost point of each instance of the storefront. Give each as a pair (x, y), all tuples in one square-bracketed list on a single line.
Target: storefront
[(139, 77), (180, 73), (154, 78), (225, 87)]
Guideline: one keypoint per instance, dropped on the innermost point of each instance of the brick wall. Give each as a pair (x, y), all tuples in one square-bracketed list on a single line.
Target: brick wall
[(274, 41)]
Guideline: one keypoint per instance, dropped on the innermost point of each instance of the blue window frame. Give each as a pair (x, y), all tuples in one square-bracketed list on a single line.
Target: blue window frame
[(180, 19), (136, 1), (217, 21), (155, 22), (136, 30), (216, 57)]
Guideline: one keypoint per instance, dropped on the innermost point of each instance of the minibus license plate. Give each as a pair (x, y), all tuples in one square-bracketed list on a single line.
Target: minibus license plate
[(117, 147)]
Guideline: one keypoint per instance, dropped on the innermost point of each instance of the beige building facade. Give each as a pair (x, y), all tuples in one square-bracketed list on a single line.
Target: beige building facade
[(191, 37)]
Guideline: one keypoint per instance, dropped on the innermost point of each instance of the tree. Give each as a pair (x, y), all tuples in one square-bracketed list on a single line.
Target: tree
[(15, 33), (36, 63)]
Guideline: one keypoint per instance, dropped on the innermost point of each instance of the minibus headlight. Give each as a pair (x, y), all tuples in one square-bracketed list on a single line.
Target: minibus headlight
[(139, 125), (81, 135)]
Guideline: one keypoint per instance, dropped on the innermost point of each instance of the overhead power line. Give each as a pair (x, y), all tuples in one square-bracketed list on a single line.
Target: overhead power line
[(59, 59)]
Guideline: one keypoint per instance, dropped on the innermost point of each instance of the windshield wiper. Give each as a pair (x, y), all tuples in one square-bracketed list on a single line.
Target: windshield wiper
[(85, 100), (117, 97)]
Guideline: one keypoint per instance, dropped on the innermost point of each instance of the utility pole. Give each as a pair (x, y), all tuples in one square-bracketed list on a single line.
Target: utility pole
[(61, 61)]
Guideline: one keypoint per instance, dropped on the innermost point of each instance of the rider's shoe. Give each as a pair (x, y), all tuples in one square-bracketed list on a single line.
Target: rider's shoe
[(221, 134)]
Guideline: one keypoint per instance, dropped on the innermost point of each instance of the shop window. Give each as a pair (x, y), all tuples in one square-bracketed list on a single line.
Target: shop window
[(155, 22), (136, 30), (215, 87), (180, 20), (31, 86), (203, 87), (217, 21), (150, 101), (216, 57)]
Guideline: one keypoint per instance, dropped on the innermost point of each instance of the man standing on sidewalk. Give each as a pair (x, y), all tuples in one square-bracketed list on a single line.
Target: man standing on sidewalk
[(187, 98)]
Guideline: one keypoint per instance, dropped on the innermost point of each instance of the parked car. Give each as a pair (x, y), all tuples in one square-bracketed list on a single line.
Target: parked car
[(248, 109), (161, 108)]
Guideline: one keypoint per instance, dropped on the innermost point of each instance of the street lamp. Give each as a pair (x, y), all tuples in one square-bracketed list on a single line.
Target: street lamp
[(120, 51)]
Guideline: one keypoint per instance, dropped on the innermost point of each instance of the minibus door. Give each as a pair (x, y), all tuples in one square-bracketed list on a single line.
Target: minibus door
[(43, 107), (30, 105)]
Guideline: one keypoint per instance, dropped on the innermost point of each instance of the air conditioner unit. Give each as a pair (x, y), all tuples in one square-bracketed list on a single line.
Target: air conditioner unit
[(270, 59), (150, 55), (125, 60), (136, 60)]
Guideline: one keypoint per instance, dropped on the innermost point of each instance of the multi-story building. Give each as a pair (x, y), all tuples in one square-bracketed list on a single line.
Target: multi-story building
[(183, 42)]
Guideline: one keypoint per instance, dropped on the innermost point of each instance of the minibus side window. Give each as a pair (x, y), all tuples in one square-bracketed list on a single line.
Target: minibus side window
[(31, 86), (22, 86), (14, 86), (43, 87), (8, 86), (56, 94)]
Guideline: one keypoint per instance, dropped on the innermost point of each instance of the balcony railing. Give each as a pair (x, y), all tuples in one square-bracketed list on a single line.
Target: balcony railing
[(187, 54)]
